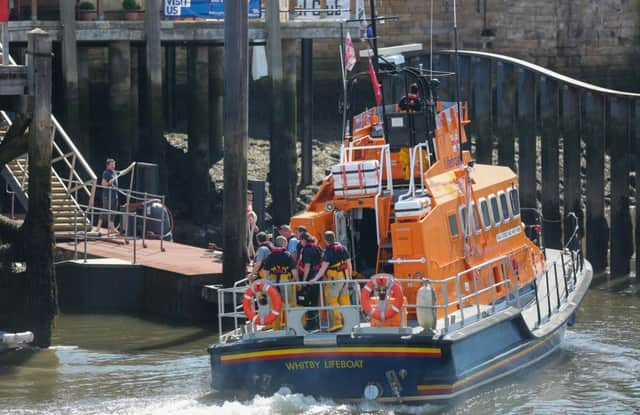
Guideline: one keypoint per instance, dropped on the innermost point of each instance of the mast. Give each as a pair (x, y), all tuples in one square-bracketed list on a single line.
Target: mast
[(376, 69)]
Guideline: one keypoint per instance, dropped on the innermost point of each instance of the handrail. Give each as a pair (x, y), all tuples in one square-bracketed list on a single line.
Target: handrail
[(74, 149), (462, 302), (546, 72), (411, 192)]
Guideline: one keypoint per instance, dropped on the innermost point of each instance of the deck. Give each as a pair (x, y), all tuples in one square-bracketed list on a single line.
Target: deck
[(178, 258)]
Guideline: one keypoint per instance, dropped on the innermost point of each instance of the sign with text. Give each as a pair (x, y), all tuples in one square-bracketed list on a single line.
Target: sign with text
[(338, 9), (205, 9)]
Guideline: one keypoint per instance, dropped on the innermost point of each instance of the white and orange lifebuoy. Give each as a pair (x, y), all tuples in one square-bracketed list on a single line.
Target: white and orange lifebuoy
[(394, 292), (250, 294)]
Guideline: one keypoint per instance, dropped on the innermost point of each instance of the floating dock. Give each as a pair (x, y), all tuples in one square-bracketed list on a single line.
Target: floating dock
[(165, 283)]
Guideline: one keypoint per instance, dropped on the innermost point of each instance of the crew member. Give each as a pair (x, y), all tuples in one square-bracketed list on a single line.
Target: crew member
[(281, 268), (336, 263), (411, 102), (263, 251), (310, 262)]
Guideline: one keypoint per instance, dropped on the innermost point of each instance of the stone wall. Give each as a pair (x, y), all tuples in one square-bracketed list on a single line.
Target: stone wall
[(593, 40)]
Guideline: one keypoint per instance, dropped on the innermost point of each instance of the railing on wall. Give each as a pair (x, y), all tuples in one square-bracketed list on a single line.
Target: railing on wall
[(572, 144)]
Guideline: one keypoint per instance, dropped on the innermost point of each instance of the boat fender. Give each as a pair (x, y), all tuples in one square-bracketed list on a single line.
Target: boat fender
[(261, 287), (393, 290), (16, 338), (425, 306)]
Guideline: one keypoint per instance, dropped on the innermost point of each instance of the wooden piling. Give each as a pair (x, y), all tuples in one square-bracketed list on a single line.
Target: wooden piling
[(526, 129), (155, 143), (307, 112), (282, 157), (592, 130), (170, 86), (39, 243), (571, 151), (70, 68), (550, 137), (506, 96), (199, 153), (236, 114), (635, 131), (482, 109), (618, 136), (216, 102), (83, 136), (120, 101)]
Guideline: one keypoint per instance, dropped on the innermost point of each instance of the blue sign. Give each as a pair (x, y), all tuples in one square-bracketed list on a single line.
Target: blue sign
[(205, 9)]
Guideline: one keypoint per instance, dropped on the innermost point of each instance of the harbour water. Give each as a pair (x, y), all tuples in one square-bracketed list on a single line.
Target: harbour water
[(106, 364)]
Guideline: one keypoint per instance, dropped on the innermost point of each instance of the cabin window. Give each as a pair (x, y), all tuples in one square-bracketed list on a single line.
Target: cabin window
[(495, 209), (476, 218), (486, 215), (453, 225), (515, 202), (462, 212), (504, 206)]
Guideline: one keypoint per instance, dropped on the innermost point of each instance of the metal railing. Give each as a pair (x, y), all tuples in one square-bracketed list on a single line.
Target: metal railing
[(412, 166), (454, 301), (346, 156), (128, 217)]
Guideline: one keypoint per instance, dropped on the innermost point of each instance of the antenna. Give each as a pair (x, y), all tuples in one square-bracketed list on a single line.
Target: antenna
[(457, 58)]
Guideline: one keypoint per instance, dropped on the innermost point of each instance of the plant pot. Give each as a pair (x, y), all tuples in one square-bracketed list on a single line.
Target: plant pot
[(87, 15), (133, 15)]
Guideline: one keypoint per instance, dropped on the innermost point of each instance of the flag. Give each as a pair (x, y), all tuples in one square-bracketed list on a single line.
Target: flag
[(376, 85), (349, 53)]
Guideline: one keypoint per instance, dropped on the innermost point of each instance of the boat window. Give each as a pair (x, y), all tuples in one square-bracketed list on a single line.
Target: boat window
[(504, 206), (515, 201), (453, 225), (495, 210), (486, 215), (462, 212), (476, 218)]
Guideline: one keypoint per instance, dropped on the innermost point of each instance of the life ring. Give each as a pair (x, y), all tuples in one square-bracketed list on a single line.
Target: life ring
[(394, 290), (254, 289)]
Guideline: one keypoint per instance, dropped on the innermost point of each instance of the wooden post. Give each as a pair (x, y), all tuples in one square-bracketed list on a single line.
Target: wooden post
[(483, 109), (572, 156), (39, 222), (618, 136), (282, 166), (155, 143), (216, 101), (34, 10), (635, 118), (199, 153), (120, 101), (550, 162), (84, 103), (236, 115), (70, 68), (307, 123), (597, 227), (170, 86), (506, 96), (526, 121)]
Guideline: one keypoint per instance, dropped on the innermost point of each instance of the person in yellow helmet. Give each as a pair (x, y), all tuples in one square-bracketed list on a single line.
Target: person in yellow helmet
[(336, 264)]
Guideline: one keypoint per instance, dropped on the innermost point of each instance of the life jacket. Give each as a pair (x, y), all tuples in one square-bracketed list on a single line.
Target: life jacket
[(340, 259), (278, 263), (318, 250)]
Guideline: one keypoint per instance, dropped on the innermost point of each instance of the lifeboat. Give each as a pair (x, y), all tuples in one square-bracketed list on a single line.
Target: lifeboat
[(447, 290)]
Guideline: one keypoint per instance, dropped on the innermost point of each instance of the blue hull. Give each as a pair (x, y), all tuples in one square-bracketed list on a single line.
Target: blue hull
[(415, 369)]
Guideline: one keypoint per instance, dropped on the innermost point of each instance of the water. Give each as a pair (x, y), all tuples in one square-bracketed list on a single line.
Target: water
[(130, 365)]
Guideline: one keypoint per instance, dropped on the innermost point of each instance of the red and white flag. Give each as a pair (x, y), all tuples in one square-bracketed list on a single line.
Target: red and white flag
[(376, 85), (349, 53)]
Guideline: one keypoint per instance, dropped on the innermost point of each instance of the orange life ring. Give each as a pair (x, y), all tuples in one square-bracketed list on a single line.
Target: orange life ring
[(254, 289), (394, 290)]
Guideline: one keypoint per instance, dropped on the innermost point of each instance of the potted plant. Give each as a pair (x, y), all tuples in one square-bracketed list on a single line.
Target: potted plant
[(132, 9), (87, 11)]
